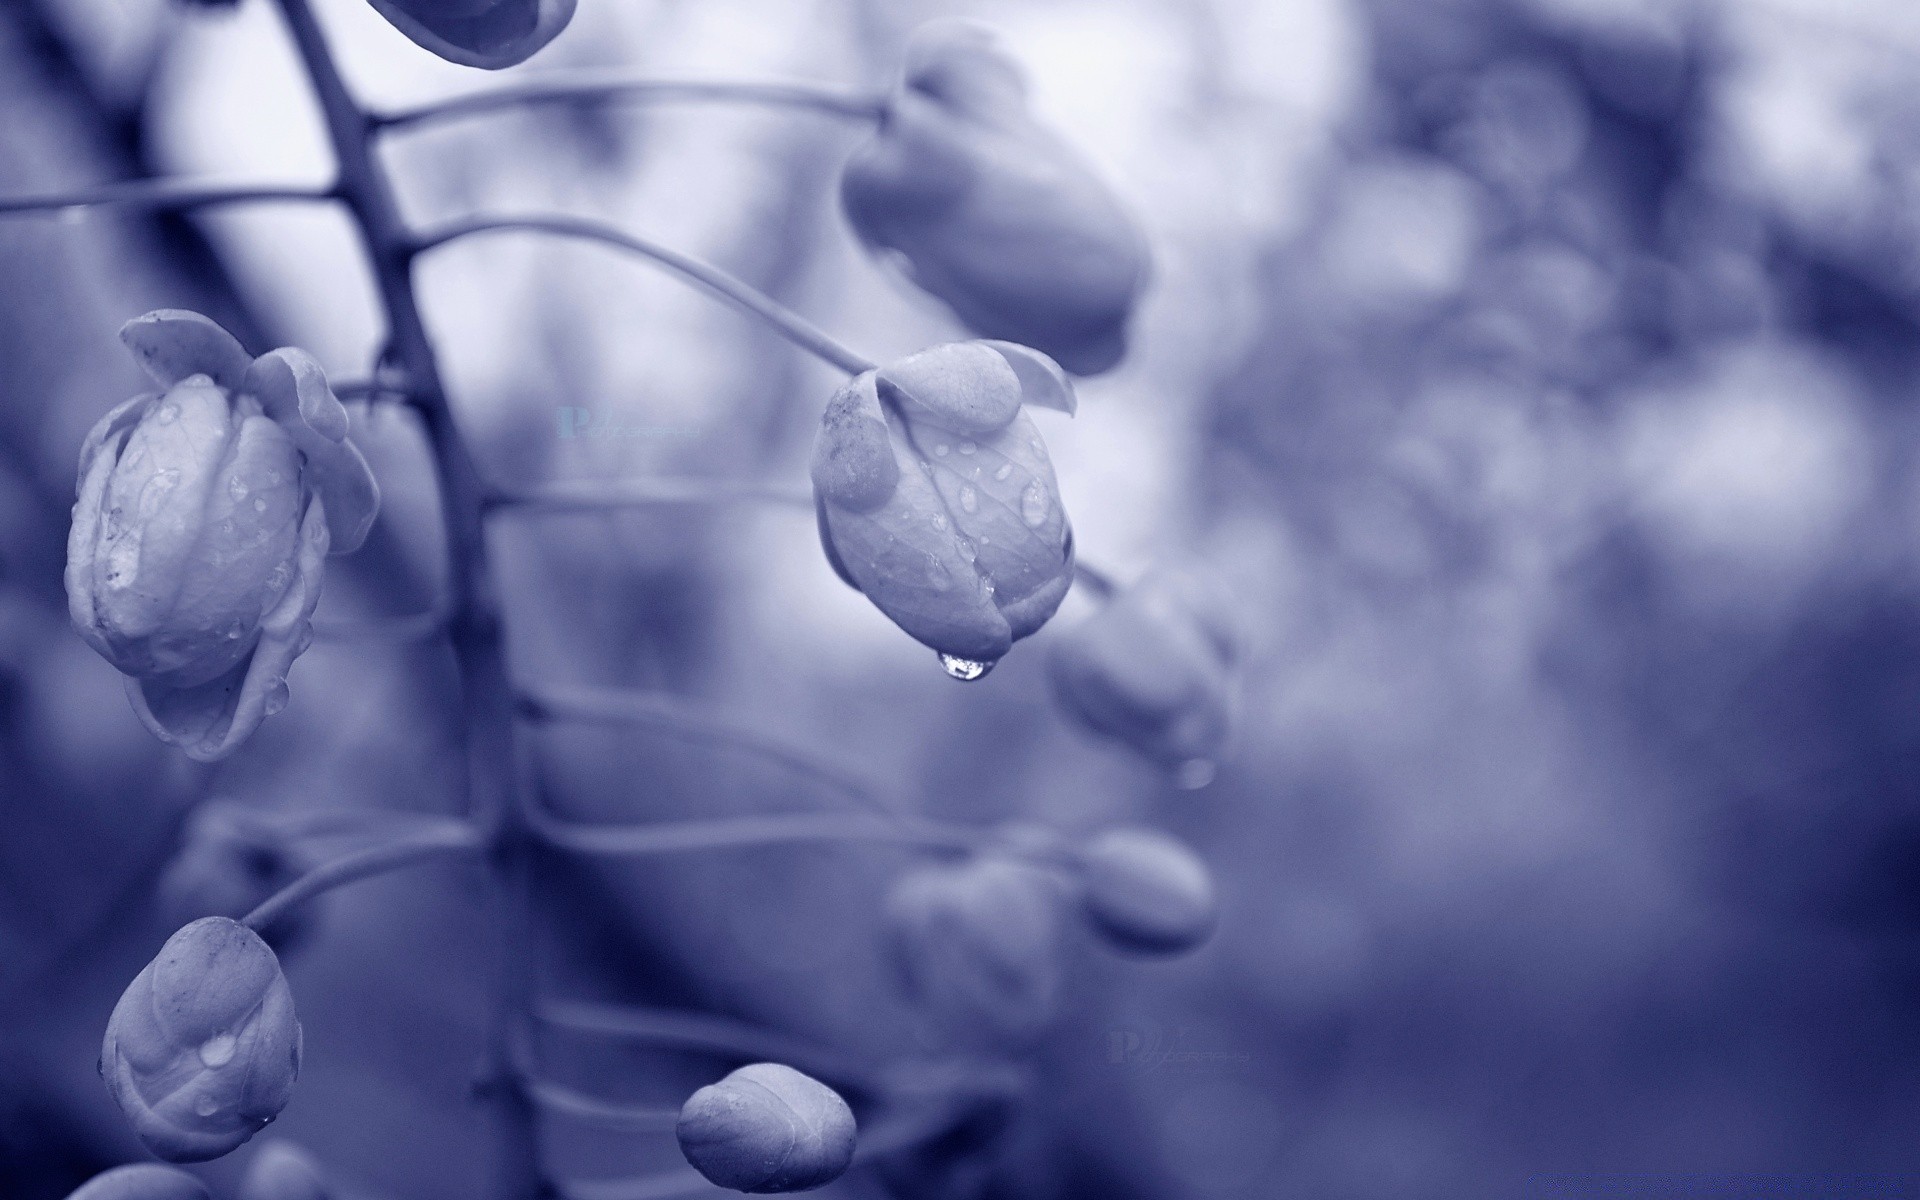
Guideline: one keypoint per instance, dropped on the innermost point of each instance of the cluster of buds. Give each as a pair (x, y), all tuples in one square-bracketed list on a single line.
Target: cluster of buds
[(203, 1049), (1153, 669), (479, 33), (990, 211), (204, 518), (937, 500), (767, 1128)]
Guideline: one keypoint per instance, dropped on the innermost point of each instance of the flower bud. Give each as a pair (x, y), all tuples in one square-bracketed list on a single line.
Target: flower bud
[(767, 1128), (1152, 669), (203, 1048), (479, 33), (142, 1181), (977, 946), (936, 498), (281, 1170), (990, 211), (1147, 892), (204, 515)]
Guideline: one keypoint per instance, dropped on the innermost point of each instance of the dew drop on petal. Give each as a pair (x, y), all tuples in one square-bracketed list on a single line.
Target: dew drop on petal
[(940, 522), (937, 574), (259, 504), (1005, 470), (276, 698), (1034, 505), (969, 499), (206, 1106), (235, 630), (968, 447), (1038, 447), (940, 451), (165, 414), (1194, 774), (237, 488), (966, 669), (217, 1051)]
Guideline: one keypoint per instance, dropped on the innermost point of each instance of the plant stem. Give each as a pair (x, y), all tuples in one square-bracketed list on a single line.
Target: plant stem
[(1095, 580), (587, 86), (362, 864), (781, 319), (594, 495), (707, 1033), (739, 833), (605, 1113), (168, 194), (474, 627)]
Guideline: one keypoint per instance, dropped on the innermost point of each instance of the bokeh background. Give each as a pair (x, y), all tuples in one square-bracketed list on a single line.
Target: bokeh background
[(1539, 372)]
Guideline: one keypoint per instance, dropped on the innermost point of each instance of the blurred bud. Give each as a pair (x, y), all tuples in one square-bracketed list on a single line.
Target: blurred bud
[(991, 212), (227, 864), (479, 33), (203, 1048), (937, 500), (767, 1128), (142, 1181), (1148, 892), (281, 1170), (978, 947), (1153, 669), (203, 519)]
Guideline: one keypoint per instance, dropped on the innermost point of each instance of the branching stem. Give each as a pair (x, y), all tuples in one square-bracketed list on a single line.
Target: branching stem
[(599, 86), (453, 837), (172, 195)]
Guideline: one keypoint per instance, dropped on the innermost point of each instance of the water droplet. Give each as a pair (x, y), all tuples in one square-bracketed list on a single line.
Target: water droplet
[(968, 447), (937, 574), (985, 540), (259, 504), (940, 522), (276, 698), (1034, 505), (1194, 774), (969, 499), (1005, 470), (156, 491), (217, 1051), (237, 488), (226, 526), (1037, 446), (235, 630), (279, 578), (165, 414), (940, 451), (206, 1106), (273, 477), (964, 668)]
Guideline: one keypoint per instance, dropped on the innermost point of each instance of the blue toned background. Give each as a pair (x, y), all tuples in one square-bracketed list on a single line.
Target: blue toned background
[(1540, 373)]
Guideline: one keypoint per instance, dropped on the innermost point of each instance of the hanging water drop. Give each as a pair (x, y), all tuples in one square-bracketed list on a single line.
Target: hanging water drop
[(276, 698), (1034, 505), (964, 669)]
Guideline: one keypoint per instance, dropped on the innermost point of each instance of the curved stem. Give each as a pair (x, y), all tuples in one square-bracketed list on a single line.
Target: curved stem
[(1098, 582), (740, 833), (780, 318), (594, 495), (474, 628), (705, 1033), (362, 864), (605, 1113), (588, 86), (169, 194), (621, 706)]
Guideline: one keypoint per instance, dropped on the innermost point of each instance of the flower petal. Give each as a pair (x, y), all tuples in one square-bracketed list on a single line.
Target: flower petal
[(293, 390), (1042, 382), (853, 463), (963, 386), (172, 343), (504, 34)]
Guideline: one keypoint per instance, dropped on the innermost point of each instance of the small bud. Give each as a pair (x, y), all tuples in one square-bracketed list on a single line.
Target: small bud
[(280, 1170), (936, 498), (993, 213), (479, 33), (767, 1128), (977, 945), (203, 1048), (1152, 669), (1147, 892), (142, 1181), (204, 517)]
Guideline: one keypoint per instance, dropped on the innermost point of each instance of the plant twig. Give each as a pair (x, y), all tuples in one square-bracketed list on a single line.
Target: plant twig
[(174, 195), (391, 855), (1096, 581), (592, 495), (739, 833), (707, 1033), (605, 1113), (779, 317), (596, 86)]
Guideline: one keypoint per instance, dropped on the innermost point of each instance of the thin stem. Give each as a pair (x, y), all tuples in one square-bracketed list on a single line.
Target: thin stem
[(1095, 580), (595, 495), (175, 195), (780, 318), (605, 1113), (589, 86), (740, 833), (362, 864), (625, 706), (474, 630), (706, 1033)]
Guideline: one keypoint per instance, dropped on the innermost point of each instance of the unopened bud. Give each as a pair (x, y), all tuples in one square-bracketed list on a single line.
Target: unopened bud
[(142, 1181), (767, 1128), (1147, 892), (280, 1170)]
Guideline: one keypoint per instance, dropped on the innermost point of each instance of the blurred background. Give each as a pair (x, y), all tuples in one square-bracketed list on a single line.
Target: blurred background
[(1539, 372)]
